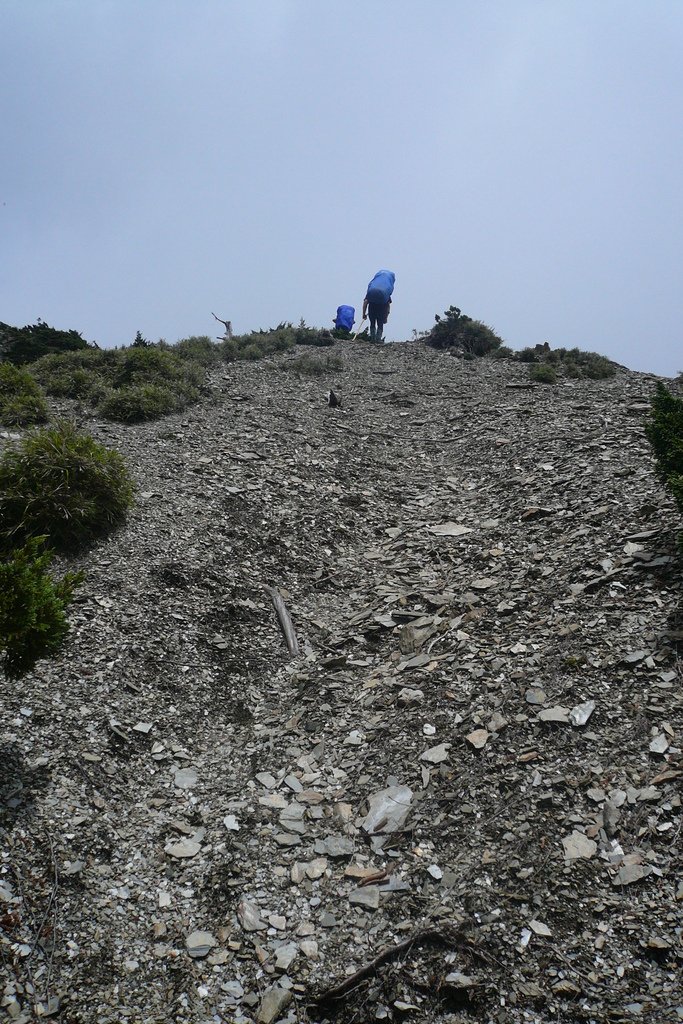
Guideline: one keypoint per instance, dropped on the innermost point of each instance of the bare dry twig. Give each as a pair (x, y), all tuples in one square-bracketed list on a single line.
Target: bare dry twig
[(284, 618), (454, 936)]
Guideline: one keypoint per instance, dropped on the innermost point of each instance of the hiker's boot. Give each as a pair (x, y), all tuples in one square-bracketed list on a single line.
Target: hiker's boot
[(372, 334)]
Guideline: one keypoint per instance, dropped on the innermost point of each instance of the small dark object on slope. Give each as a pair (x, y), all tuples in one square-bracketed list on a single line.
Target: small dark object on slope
[(333, 400)]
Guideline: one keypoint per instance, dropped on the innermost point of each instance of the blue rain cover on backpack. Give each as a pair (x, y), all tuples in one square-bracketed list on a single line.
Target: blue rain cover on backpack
[(381, 286), (345, 318)]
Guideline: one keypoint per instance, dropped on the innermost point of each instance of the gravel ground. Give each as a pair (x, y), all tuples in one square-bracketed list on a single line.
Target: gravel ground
[(459, 801)]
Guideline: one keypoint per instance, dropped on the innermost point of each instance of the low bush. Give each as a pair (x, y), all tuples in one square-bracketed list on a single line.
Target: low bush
[(21, 345), (502, 352), (456, 330), (22, 402), (574, 362), (63, 485), (138, 403), (151, 380), (198, 348), (260, 344), (543, 373), (32, 607), (313, 366), (665, 433)]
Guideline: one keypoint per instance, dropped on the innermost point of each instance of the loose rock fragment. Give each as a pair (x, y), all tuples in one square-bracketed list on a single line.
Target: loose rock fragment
[(578, 845), (554, 714), (249, 917), (200, 944), (477, 738), (185, 778), (274, 1001), (580, 714), (388, 809), (435, 755)]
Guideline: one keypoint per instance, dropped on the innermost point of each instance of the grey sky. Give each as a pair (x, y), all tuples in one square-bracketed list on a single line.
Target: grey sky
[(521, 159)]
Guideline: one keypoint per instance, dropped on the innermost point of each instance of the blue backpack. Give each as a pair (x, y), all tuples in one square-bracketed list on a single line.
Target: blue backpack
[(345, 318), (381, 287)]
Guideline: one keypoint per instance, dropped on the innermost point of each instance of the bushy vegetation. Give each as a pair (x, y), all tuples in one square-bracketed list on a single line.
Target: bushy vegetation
[(543, 373), (456, 330), (313, 366), (32, 607), (259, 344), (63, 485), (142, 382), (21, 345), (21, 400), (572, 361), (198, 348), (665, 433)]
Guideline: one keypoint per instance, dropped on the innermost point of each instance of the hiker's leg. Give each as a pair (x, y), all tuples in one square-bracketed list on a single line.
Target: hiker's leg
[(373, 327)]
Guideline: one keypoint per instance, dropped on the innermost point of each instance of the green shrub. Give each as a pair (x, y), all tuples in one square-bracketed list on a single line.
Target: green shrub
[(199, 348), (665, 433), (598, 367), (573, 361), (527, 355), (313, 366), (138, 403), (21, 345), (543, 373), (61, 484), (456, 330), (21, 400), (32, 607), (155, 378), (228, 350), (502, 352)]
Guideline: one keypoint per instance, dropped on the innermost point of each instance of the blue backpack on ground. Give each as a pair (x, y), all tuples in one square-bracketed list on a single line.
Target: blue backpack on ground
[(345, 317), (381, 287)]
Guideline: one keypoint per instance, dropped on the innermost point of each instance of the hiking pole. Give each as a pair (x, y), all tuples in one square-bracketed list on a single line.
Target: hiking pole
[(359, 327)]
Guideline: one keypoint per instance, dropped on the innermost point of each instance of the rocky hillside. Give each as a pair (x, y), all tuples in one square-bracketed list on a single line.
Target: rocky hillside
[(460, 800)]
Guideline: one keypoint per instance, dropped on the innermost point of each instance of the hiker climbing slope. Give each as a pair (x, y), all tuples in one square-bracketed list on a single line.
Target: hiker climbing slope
[(377, 302)]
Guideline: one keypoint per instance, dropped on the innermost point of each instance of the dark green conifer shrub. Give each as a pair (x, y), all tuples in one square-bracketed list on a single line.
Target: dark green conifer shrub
[(665, 433), (21, 400), (32, 607), (543, 373), (63, 485), (456, 330), (21, 345)]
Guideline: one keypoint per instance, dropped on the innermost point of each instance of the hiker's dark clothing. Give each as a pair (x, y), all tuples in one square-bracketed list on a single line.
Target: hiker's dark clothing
[(378, 313)]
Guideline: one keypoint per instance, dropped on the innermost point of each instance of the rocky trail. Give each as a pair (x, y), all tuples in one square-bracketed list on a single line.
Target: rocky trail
[(459, 802)]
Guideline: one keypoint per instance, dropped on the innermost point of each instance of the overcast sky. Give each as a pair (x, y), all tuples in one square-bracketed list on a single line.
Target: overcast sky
[(521, 159)]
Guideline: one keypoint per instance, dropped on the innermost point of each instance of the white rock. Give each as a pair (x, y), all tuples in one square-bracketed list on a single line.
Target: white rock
[(435, 755), (578, 845), (185, 848), (580, 714), (250, 917), (184, 778), (388, 809)]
